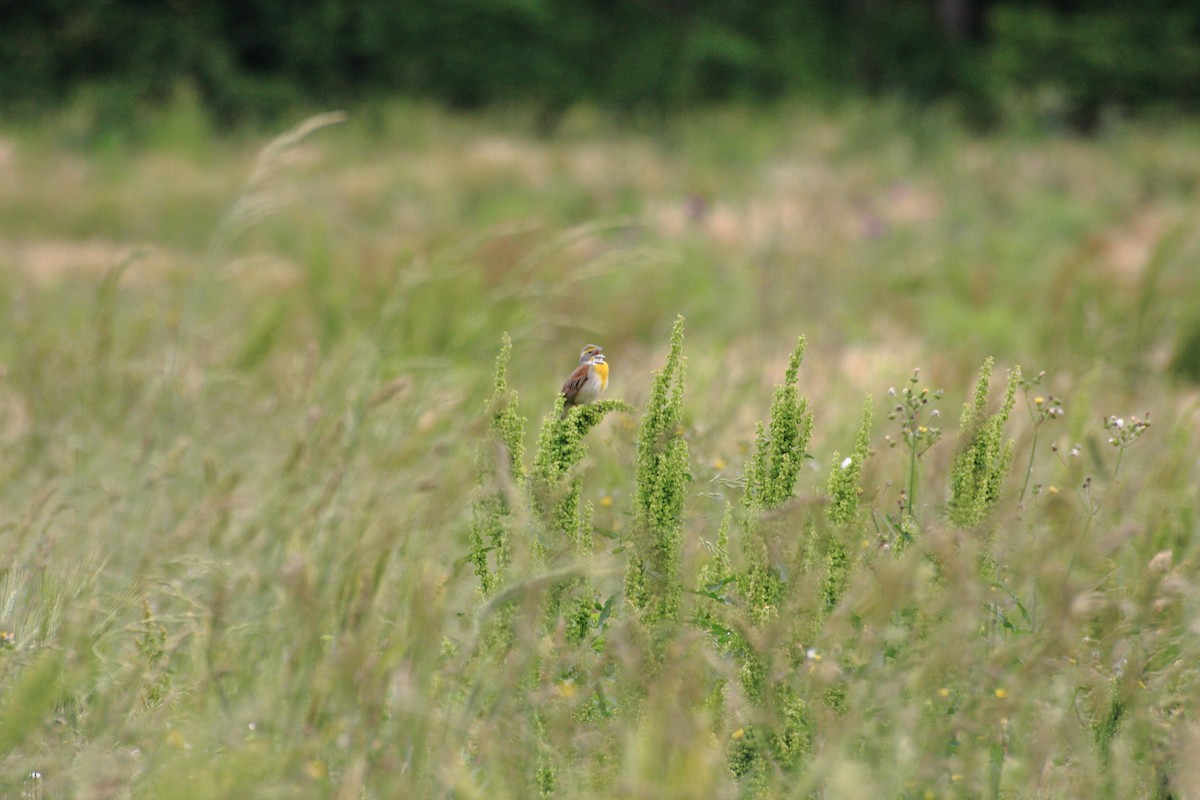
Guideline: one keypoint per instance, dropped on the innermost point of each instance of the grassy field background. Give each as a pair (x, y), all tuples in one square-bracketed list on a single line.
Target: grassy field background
[(242, 398)]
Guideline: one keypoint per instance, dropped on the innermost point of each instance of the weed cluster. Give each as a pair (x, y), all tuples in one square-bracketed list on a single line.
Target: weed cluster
[(776, 656)]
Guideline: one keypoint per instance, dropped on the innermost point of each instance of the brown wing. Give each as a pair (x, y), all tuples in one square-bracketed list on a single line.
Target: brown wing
[(575, 383)]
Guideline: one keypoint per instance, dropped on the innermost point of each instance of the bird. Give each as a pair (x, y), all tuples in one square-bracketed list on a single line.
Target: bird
[(588, 381)]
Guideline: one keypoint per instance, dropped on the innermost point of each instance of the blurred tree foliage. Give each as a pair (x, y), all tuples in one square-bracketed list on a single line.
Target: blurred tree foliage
[(1067, 57)]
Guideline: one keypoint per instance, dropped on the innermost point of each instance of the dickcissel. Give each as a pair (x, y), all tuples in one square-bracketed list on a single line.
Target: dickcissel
[(589, 380)]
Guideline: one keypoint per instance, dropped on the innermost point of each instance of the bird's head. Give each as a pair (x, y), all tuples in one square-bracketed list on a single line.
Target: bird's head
[(592, 354)]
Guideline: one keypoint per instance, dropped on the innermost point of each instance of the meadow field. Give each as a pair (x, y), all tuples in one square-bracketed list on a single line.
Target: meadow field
[(288, 509)]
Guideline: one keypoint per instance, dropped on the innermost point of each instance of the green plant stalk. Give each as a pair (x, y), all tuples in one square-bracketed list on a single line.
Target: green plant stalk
[(912, 478), (996, 769), (1029, 468), (1086, 499)]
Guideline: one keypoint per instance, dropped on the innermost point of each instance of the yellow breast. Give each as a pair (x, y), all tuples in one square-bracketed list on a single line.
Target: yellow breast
[(602, 373)]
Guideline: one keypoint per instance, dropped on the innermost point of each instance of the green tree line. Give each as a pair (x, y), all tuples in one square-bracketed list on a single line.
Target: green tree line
[(261, 56)]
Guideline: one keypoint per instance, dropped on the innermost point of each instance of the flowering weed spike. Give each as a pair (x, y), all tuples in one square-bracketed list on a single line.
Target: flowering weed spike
[(560, 448), (507, 424), (555, 493), (152, 645), (652, 580), (491, 512), (720, 562), (756, 468), (582, 615), (984, 457), (844, 478), (837, 573), (920, 429), (716, 572), (712, 584), (781, 448)]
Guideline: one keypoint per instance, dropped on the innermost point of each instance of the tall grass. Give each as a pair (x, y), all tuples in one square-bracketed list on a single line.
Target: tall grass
[(259, 535)]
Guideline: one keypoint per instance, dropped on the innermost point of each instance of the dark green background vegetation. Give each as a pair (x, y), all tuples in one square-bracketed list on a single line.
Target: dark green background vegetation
[(257, 57)]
